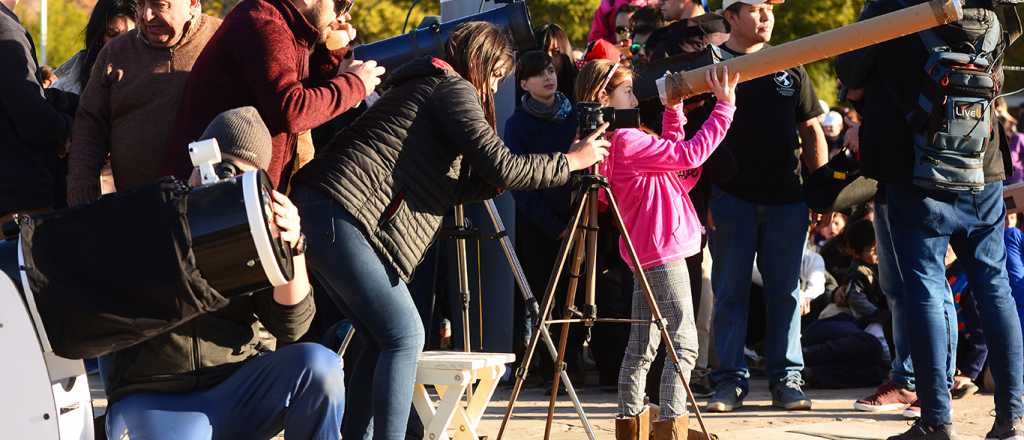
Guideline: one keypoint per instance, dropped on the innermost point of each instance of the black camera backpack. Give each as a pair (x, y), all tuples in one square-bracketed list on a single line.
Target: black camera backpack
[(952, 120)]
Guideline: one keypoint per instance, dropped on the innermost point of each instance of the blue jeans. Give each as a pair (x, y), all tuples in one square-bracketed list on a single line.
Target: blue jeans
[(891, 282), (371, 294), (777, 233), (299, 388), (923, 223)]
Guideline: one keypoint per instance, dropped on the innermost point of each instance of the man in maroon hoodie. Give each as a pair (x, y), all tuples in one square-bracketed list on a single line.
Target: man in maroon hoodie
[(270, 54)]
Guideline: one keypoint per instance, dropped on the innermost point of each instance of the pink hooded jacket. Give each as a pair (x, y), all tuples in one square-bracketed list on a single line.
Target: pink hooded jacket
[(603, 26), (644, 173)]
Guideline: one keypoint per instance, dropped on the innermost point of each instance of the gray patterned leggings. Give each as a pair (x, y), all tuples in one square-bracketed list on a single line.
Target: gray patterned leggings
[(671, 286)]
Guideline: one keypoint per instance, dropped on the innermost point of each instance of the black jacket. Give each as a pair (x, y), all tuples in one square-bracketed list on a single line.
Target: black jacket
[(398, 169), (892, 75), (32, 127)]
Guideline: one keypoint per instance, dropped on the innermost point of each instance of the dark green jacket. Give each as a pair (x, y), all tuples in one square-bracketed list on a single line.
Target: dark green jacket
[(205, 351)]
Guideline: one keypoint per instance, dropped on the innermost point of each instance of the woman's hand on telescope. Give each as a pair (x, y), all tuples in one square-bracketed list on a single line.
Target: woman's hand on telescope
[(589, 150), (723, 86), (286, 216)]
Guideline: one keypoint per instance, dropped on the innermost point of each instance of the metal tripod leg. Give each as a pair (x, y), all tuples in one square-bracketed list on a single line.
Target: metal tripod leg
[(534, 309), (463, 266), (655, 311), (549, 300), (582, 233)]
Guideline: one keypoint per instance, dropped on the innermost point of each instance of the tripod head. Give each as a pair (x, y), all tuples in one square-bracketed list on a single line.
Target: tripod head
[(590, 180)]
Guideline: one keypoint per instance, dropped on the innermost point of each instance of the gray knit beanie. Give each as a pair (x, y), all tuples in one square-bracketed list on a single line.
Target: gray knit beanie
[(241, 133)]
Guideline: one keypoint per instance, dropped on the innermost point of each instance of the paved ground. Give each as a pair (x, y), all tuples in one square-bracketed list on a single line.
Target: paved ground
[(833, 417)]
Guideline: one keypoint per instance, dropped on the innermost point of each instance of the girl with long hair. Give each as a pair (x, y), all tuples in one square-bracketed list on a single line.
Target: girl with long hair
[(373, 201), (650, 177), (109, 19), (555, 42)]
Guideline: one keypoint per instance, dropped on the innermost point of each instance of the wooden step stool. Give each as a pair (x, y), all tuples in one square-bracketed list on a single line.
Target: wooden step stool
[(451, 373)]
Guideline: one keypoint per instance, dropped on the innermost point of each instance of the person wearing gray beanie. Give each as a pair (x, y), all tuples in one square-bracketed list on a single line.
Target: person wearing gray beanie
[(242, 136)]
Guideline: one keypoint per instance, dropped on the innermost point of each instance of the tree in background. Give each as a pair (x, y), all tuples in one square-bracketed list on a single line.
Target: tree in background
[(572, 15), (383, 19), (66, 21), (798, 19), (219, 8), (379, 20)]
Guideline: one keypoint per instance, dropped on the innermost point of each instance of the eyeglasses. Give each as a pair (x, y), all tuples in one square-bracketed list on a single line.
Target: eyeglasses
[(343, 6), (622, 30)]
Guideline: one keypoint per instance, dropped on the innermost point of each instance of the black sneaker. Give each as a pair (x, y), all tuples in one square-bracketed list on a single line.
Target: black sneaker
[(727, 398), (700, 387), (1007, 431), (788, 395), (922, 431)]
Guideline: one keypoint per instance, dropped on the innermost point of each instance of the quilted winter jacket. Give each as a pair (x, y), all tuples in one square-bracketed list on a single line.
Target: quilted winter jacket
[(424, 147)]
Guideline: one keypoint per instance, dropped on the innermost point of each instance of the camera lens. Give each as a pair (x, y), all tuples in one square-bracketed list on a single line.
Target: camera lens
[(590, 117)]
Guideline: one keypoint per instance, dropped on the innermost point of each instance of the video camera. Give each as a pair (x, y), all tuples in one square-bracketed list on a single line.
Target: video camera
[(592, 115)]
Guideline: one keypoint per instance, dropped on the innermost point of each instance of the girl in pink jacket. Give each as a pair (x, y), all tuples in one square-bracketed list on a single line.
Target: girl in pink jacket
[(650, 177)]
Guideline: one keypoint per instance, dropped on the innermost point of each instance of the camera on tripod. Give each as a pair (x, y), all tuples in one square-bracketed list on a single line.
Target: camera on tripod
[(592, 115)]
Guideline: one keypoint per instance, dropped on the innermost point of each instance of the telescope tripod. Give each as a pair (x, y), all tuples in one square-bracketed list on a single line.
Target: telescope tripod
[(581, 243), (461, 233)]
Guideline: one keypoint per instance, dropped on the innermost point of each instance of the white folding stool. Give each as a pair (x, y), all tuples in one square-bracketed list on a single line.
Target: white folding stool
[(451, 373)]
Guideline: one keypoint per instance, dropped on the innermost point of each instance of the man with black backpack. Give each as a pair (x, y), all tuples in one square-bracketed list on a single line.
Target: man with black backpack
[(929, 138)]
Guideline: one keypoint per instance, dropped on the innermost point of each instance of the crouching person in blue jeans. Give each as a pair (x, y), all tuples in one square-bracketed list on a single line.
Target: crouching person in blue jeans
[(212, 378)]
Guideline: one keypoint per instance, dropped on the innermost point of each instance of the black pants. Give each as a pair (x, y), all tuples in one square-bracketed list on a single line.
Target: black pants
[(839, 354)]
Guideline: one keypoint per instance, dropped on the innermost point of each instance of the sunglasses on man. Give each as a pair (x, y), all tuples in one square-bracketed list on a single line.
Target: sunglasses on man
[(343, 6)]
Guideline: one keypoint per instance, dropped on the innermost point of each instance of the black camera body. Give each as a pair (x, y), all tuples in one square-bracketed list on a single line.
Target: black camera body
[(592, 115)]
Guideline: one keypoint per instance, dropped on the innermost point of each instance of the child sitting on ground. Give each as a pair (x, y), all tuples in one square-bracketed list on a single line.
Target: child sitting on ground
[(847, 346)]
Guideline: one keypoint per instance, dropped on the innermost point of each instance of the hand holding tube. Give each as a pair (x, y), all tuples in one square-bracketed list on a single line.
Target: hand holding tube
[(724, 86)]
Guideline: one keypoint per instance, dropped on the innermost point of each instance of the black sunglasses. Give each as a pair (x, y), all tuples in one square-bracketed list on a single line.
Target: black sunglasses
[(343, 6)]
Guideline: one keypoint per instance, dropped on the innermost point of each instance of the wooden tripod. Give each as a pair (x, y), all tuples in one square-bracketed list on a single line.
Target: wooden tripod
[(581, 243)]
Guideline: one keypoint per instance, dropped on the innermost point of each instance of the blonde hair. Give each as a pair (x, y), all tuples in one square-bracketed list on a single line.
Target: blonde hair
[(597, 73)]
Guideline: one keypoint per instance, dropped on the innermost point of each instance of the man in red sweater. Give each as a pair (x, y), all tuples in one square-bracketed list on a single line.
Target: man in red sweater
[(270, 54)]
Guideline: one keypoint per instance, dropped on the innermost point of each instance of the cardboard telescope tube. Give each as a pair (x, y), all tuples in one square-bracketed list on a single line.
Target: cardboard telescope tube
[(820, 46)]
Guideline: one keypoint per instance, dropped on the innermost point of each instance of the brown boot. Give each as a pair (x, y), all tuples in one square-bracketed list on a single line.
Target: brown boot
[(634, 428), (678, 429), (696, 434), (672, 429)]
